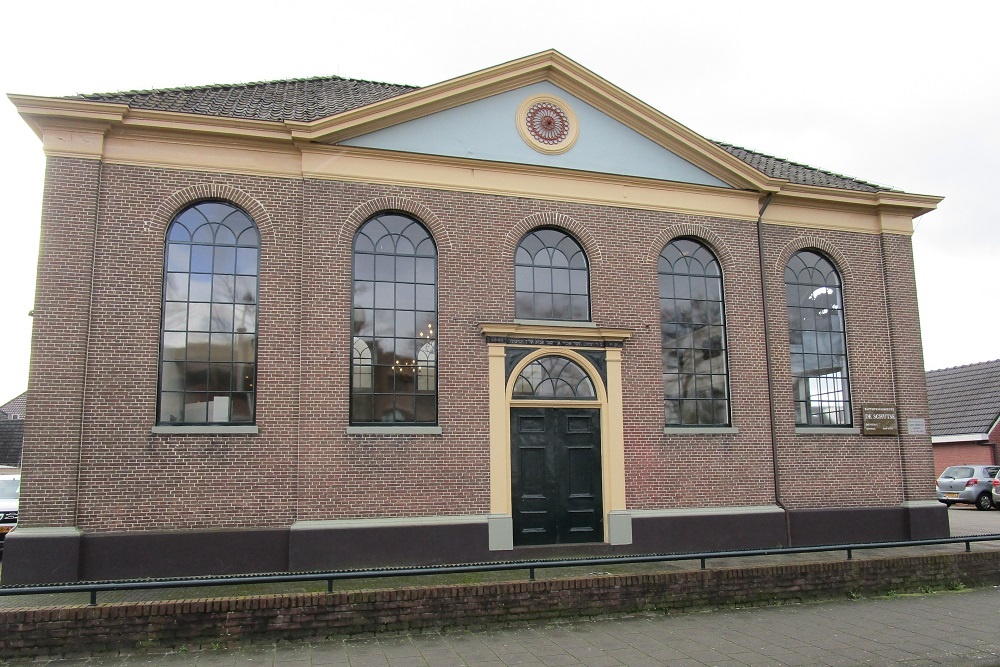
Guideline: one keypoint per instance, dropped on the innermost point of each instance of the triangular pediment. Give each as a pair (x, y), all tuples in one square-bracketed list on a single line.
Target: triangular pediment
[(476, 117), (496, 129)]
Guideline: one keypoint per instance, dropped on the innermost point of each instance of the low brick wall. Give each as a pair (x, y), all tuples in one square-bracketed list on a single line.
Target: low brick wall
[(222, 621)]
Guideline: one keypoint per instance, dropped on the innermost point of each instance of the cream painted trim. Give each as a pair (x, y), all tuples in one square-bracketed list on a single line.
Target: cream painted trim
[(887, 210), (500, 480), (367, 165), (200, 153), (609, 400), (971, 438), (394, 429), (700, 430), (204, 430), (827, 430), (568, 331)]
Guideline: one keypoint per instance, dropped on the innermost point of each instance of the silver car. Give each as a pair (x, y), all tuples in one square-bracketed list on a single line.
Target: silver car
[(10, 493), (970, 484)]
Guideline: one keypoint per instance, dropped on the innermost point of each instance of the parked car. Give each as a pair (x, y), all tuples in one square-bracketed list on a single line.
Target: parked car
[(970, 484), (10, 494)]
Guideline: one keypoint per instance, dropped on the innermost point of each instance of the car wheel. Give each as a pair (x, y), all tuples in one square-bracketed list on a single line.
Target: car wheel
[(983, 502)]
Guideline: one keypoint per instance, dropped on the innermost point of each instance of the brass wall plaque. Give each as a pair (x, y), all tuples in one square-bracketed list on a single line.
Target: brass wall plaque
[(879, 420)]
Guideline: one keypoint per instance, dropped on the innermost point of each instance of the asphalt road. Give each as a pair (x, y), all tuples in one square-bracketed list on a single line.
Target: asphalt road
[(967, 520)]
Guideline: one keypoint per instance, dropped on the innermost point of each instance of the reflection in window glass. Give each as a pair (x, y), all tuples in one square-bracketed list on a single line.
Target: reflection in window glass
[(553, 377), (551, 277), (208, 350), (693, 336), (818, 341), (394, 362)]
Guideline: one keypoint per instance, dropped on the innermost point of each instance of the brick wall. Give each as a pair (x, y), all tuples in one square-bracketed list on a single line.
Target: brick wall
[(303, 465), (961, 453), (221, 621)]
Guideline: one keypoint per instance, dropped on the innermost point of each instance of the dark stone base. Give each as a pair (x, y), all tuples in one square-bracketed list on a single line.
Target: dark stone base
[(708, 532), (33, 556), (867, 524), (41, 556), (340, 548)]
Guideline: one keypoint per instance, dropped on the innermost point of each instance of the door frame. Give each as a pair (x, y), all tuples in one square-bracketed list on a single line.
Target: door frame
[(556, 340)]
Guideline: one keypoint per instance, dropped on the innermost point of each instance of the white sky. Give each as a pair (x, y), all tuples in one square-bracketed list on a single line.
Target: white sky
[(905, 94)]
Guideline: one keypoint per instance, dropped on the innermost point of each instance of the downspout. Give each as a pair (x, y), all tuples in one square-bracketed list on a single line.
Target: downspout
[(770, 371)]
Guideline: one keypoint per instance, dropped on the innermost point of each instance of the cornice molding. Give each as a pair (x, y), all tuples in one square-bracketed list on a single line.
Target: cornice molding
[(570, 331), (118, 134)]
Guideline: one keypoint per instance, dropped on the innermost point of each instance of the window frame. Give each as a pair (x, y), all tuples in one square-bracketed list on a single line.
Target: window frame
[(355, 424), (846, 404), (586, 259), (230, 425), (721, 301)]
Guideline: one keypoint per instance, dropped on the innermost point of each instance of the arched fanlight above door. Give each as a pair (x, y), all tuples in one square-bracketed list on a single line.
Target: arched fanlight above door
[(553, 377)]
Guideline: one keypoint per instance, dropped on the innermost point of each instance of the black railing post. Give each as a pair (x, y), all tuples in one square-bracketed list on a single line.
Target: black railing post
[(93, 598)]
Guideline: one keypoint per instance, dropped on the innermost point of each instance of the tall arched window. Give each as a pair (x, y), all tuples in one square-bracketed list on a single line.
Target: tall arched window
[(551, 277), (693, 336), (208, 352), (394, 360), (818, 341)]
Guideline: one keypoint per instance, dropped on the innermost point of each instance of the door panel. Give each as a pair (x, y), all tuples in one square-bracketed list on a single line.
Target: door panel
[(556, 475)]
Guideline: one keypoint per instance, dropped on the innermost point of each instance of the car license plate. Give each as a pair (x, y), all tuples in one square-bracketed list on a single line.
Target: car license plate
[(951, 495)]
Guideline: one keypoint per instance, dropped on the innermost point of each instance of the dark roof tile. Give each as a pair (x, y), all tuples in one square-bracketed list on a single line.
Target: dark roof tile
[(794, 172), (312, 99), (964, 399), (294, 99)]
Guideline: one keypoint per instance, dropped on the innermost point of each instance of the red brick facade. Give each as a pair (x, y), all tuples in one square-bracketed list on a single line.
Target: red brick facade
[(110, 492), (94, 374)]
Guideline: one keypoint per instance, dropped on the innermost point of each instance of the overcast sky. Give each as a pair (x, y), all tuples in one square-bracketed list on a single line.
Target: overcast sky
[(905, 94)]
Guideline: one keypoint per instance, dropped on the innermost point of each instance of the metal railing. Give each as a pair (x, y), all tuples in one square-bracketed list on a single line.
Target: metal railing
[(95, 587)]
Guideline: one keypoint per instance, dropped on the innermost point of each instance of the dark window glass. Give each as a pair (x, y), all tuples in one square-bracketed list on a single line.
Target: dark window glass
[(551, 277), (208, 342), (818, 341), (394, 358), (693, 336), (553, 377)]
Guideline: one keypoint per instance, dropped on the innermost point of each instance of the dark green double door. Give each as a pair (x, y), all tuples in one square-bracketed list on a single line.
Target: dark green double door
[(556, 475)]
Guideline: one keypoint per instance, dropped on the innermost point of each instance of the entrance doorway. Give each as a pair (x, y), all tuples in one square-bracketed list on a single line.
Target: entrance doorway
[(556, 475)]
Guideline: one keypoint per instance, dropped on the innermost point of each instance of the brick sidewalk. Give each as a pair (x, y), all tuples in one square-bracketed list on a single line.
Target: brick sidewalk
[(945, 628)]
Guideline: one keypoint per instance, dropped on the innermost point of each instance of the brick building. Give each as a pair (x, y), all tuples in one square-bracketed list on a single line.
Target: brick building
[(577, 326), (965, 414)]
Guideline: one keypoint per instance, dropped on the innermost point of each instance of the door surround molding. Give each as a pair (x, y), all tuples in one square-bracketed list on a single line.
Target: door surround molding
[(565, 341)]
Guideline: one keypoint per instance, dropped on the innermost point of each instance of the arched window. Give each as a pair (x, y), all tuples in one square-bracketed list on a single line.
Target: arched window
[(208, 352), (551, 277), (818, 341), (394, 361), (693, 336), (553, 377)]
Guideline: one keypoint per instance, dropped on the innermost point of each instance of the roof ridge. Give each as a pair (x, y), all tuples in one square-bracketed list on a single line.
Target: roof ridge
[(975, 363), (230, 86), (835, 174)]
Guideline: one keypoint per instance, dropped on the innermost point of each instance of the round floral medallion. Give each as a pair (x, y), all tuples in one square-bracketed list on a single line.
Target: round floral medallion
[(547, 123)]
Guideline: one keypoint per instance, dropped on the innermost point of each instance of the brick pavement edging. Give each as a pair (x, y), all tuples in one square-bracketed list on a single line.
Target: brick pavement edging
[(72, 630)]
